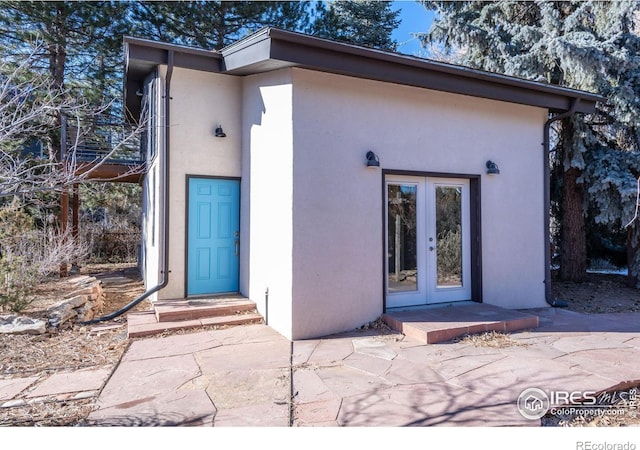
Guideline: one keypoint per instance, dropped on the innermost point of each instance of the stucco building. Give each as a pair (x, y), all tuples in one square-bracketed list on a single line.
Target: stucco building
[(328, 182)]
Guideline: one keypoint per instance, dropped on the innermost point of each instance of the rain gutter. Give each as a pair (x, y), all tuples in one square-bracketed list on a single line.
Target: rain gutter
[(547, 204), (164, 272)]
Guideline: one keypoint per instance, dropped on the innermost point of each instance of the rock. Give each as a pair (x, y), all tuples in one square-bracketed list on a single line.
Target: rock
[(73, 302), (87, 312), (373, 347), (62, 313), (14, 403), (21, 325), (81, 305), (87, 290), (80, 279), (90, 281)]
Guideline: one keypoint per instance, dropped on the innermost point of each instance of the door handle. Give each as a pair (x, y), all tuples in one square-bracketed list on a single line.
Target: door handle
[(237, 247)]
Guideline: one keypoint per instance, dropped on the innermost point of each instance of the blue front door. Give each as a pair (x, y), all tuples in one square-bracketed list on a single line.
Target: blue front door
[(213, 236)]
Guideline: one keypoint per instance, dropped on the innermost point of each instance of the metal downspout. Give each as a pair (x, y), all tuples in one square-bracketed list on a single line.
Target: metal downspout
[(547, 204), (165, 211)]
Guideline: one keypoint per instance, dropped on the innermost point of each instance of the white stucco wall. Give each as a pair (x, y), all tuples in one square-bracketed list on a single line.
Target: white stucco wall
[(200, 101), (267, 196), (337, 201), (151, 243), (152, 199), (311, 211)]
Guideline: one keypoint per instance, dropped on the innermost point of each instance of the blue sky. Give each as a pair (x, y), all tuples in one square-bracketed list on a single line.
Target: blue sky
[(415, 18)]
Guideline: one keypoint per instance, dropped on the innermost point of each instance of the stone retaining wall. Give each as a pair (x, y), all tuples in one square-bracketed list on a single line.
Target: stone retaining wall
[(84, 302)]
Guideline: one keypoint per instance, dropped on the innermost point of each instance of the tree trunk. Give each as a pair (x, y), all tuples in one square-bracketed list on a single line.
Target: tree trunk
[(57, 64), (64, 223), (573, 252), (633, 247), (573, 249)]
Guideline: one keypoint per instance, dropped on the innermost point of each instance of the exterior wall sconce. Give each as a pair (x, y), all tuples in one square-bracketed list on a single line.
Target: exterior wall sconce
[(492, 168), (372, 159), (219, 133)]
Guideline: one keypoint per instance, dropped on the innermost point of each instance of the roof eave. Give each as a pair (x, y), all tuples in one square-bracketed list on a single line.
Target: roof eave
[(271, 48), (142, 56)]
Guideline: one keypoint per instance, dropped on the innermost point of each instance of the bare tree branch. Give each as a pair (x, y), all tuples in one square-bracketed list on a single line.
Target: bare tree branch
[(30, 110)]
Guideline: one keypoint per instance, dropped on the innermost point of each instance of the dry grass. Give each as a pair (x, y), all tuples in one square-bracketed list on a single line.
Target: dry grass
[(71, 349), (48, 414), (378, 325), (492, 339)]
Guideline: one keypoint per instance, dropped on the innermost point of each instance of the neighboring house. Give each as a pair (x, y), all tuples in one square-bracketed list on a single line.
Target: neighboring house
[(290, 208)]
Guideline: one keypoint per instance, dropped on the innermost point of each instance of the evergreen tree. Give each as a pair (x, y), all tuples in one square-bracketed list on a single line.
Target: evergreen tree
[(589, 45), (361, 22), (213, 24), (78, 69), (79, 44)]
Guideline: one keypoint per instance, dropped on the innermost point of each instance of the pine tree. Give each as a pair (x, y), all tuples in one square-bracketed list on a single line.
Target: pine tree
[(80, 46), (213, 24), (78, 69), (361, 22), (587, 45)]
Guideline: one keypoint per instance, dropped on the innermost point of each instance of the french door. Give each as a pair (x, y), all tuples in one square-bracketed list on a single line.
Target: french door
[(427, 240)]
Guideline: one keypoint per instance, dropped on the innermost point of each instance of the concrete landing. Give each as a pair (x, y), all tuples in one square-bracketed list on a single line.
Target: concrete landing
[(435, 324)]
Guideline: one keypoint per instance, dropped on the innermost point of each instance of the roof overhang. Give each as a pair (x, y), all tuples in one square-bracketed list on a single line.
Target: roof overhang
[(142, 56), (271, 49)]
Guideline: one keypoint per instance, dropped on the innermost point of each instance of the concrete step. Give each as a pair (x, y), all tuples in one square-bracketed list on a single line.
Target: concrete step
[(432, 325), (145, 323), (177, 310), (172, 315)]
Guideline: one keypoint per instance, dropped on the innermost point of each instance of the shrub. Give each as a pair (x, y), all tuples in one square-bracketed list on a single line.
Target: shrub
[(449, 248), (28, 254), (113, 244)]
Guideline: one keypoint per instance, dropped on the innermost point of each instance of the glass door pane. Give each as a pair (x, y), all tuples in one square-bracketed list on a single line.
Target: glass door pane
[(449, 261), (402, 238), (448, 236)]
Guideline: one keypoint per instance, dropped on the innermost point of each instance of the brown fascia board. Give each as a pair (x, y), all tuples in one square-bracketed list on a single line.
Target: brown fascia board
[(271, 48), (146, 52)]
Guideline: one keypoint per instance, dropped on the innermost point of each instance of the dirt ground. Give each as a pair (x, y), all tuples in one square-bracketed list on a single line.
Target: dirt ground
[(83, 347), (601, 293), (71, 349), (78, 347)]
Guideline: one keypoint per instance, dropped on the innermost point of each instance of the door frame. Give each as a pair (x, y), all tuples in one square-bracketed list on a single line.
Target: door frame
[(188, 177), (475, 231)]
